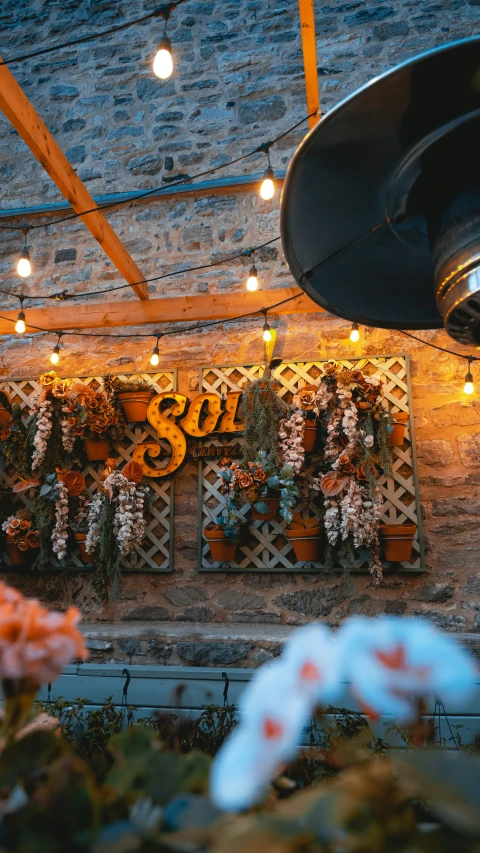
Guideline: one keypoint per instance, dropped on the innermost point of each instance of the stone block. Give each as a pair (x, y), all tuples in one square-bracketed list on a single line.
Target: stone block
[(260, 617), (235, 599), (210, 654), (469, 449), (436, 452), (455, 507), (147, 613), (63, 92), (473, 585), (447, 621), (365, 605), (196, 614), (315, 603), (393, 607), (390, 29), (130, 646), (439, 592), (160, 651), (264, 110), (147, 164), (272, 580), (99, 645), (62, 255), (456, 414), (183, 595), (76, 154)]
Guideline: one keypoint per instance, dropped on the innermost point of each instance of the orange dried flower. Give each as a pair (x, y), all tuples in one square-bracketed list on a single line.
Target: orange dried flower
[(75, 483), (133, 472), (22, 545), (259, 476), (32, 539), (244, 479), (5, 433), (47, 379), (333, 483), (24, 525)]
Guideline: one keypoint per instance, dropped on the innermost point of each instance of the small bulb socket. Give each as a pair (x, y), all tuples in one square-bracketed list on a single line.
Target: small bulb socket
[(165, 44), (269, 174)]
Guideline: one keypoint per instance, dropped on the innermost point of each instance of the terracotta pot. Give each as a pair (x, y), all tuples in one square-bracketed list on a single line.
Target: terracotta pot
[(309, 435), (80, 538), (397, 541), (5, 416), (97, 449), (221, 548), (16, 557), (135, 405), (273, 503), (397, 435), (305, 542)]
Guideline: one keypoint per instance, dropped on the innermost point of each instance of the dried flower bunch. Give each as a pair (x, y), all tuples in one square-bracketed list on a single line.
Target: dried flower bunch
[(19, 530), (89, 414), (349, 406), (251, 483)]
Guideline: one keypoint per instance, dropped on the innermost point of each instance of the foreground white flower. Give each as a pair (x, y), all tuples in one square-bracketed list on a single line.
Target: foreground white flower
[(391, 663)]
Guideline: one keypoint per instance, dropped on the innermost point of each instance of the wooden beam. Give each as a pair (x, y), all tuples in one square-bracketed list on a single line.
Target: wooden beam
[(170, 309), (309, 47), (26, 121)]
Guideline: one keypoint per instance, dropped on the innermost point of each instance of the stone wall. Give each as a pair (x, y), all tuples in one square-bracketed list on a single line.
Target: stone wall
[(238, 81)]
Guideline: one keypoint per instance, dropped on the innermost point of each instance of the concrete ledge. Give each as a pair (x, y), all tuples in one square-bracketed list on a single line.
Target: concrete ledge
[(197, 644)]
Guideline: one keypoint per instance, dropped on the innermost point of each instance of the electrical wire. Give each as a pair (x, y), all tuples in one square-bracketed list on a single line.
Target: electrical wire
[(160, 12), (440, 349), (260, 149)]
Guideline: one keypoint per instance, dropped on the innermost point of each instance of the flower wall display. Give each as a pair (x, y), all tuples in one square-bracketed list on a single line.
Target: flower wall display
[(45, 468), (20, 531), (335, 434)]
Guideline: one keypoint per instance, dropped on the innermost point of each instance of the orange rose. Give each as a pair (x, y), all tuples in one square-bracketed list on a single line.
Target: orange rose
[(245, 479), (329, 368), (47, 379), (22, 545), (24, 525), (15, 522), (133, 472), (75, 483), (32, 539), (259, 476), (5, 433), (60, 388)]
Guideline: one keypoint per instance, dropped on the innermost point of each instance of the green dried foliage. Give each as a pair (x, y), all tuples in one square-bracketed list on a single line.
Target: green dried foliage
[(107, 576), (206, 733), (384, 449), (262, 412), (114, 385), (43, 517), (17, 446)]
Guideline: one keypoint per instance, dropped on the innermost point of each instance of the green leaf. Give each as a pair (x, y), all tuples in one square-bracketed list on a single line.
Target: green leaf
[(45, 490), (273, 482), (262, 507), (286, 514)]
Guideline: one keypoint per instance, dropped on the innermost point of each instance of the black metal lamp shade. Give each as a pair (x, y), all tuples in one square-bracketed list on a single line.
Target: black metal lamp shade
[(403, 151)]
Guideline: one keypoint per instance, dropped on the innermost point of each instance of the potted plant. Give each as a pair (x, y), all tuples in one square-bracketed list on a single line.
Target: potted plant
[(397, 424), (93, 419), (20, 537), (304, 537), (134, 396), (397, 541), (225, 532), (304, 400)]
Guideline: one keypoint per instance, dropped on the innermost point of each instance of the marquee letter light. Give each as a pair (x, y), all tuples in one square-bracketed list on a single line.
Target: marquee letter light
[(167, 430), (228, 422), (191, 422)]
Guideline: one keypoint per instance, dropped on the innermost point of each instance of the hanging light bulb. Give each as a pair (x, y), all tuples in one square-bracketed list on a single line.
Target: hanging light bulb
[(354, 334), (252, 281), (163, 62), (55, 356), (267, 332), (24, 267), (155, 356), (20, 324), (267, 187), (469, 387)]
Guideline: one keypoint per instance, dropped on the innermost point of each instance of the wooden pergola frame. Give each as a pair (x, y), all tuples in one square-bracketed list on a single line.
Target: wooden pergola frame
[(24, 118)]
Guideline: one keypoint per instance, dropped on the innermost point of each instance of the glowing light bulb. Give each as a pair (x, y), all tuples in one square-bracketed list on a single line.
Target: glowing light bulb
[(468, 388), (20, 324), (24, 266), (155, 356), (355, 334), (252, 281), (163, 62), (55, 356), (267, 333), (267, 187)]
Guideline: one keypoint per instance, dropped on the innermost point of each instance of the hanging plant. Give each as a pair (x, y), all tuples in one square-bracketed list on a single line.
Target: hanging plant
[(262, 411), (50, 439), (350, 408), (14, 443), (128, 397), (259, 481), (116, 524)]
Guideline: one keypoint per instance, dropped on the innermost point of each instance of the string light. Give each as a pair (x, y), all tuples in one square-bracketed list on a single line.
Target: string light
[(469, 387), (252, 281), (267, 332), (163, 62), (354, 334), (20, 324), (155, 357), (267, 187), (55, 356), (24, 267)]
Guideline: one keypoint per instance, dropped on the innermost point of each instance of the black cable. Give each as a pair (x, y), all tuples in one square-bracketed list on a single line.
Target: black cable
[(195, 328), (440, 349), (155, 190), (161, 12)]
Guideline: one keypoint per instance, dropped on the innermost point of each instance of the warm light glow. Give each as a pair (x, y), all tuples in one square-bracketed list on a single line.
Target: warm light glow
[(24, 266), (55, 356), (252, 281), (20, 324), (163, 62), (267, 335), (468, 388), (267, 189), (354, 334), (155, 359)]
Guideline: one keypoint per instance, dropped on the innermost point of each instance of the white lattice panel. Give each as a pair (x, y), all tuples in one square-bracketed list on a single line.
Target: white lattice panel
[(156, 553), (268, 549)]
